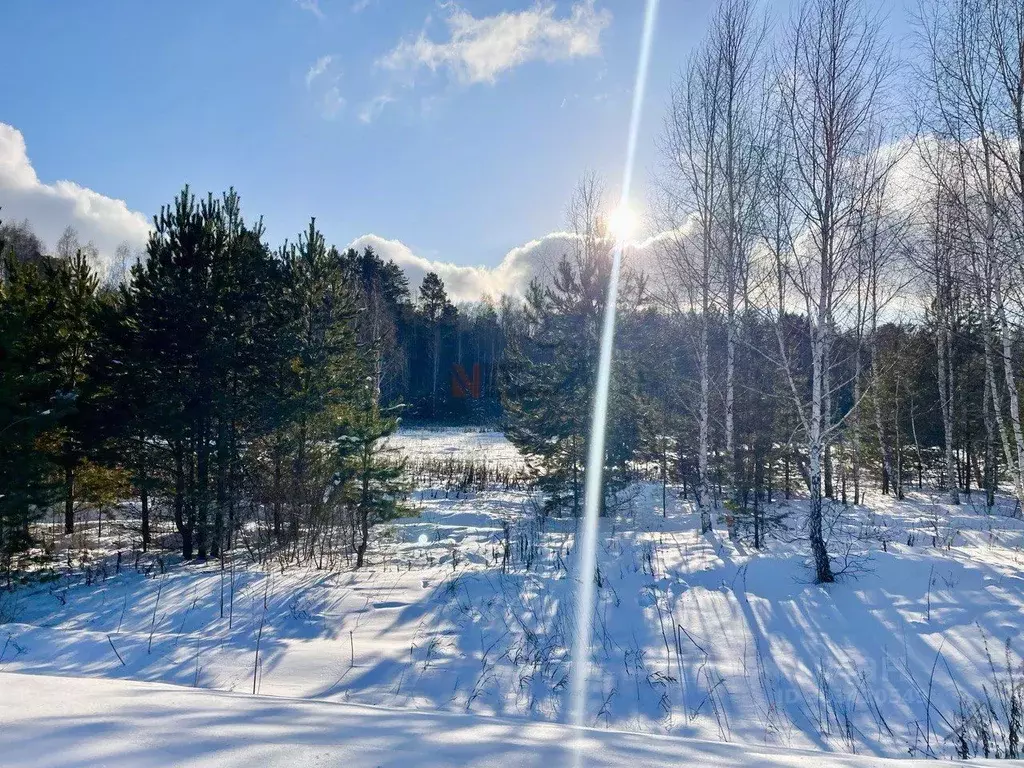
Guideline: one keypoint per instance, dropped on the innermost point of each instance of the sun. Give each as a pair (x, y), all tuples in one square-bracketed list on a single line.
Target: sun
[(623, 223)]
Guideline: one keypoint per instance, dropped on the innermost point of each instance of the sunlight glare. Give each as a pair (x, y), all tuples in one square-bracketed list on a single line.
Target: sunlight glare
[(623, 223), (585, 544)]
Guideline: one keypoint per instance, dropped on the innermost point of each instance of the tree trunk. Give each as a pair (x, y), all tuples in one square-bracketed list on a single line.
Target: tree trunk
[(703, 484), (278, 459), (232, 487), (436, 368), (991, 468), (822, 565), (945, 378), (1014, 397), (221, 503), (69, 499), (144, 498), (888, 476), (202, 491), (182, 520), (819, 362), (825, 372), (364, 511), (664, 478), (730, 401), (857, 411), (990, 376)]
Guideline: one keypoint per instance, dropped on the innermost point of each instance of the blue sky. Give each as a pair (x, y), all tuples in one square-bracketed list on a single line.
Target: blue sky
[(132, 99)]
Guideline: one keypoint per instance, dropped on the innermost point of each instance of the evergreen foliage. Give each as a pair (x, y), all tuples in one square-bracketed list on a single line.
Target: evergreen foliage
[(243, 395), (216, 364), (551, 370)]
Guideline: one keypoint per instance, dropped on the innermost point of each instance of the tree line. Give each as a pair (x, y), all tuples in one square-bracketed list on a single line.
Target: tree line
[(833, 305), (835, 297), (246, 391)]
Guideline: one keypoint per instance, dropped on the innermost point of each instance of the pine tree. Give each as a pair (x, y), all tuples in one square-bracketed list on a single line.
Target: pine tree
[(375, 485), (546, 395), (123, 403), (72, 331), (246, 283), (438, 315), (170, 306), (322, 375), (550, 374), (29, 407)]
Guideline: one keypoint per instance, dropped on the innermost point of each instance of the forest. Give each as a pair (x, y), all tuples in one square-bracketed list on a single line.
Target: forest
[(826, 306), (742, 487)]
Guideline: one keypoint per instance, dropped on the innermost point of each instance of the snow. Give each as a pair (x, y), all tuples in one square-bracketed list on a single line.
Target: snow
[(64, 722), (462, 442), (696, 637)]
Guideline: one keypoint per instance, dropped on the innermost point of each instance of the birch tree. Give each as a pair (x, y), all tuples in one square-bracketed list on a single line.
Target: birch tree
[(690, 201), (975, 75), (882, 238), (832, 79), (736, 39), (937, 260), (712, 152)]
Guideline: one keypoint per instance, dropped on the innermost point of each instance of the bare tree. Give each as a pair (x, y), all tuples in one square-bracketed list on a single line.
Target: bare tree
[(975, 76), (832, 80), (125, 257), (938, 260), (690, 202), (736, 39), (68, 244), (713, 152), (882, 236), (21, 242)]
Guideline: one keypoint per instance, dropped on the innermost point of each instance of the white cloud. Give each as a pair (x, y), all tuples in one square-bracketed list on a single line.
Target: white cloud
[(479, 49), (329, 98), (512, 275), (464, 283), (313, 6), (49, 208), (371, 109), (319, 67), (361, 5), (107, 222), (332, 102)]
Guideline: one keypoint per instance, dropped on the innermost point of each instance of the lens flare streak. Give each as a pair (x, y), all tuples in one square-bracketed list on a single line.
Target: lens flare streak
[(586, 534)]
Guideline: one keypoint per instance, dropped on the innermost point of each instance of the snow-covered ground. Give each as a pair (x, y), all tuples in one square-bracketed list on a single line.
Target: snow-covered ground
[(459, 442), (696, 636), (60, 722)]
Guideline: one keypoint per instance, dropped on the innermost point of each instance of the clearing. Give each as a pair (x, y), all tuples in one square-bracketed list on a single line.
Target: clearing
[(696, 636)]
